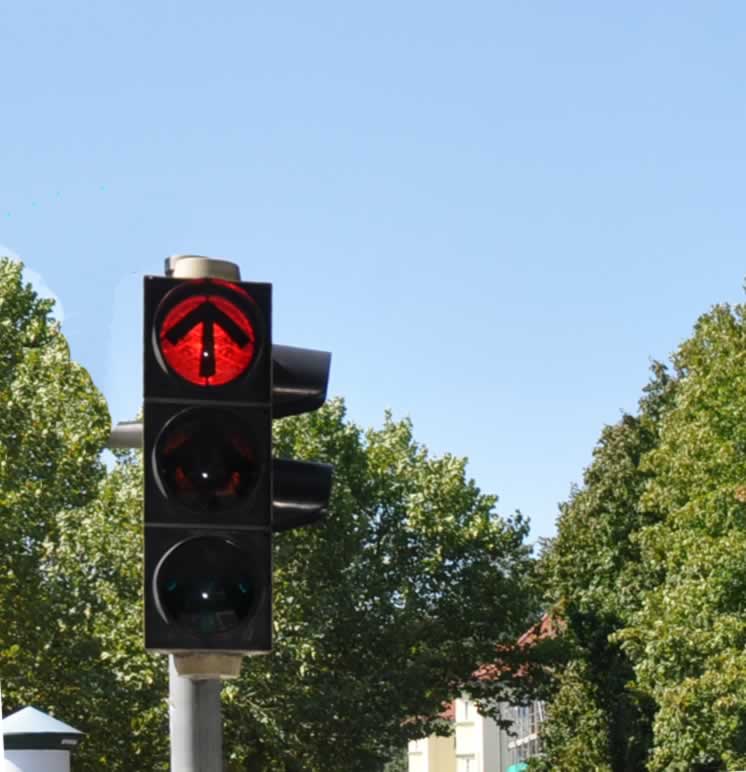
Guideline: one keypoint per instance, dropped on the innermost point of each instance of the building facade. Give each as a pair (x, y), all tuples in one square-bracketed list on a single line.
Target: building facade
[(478, 744), (432, 754)]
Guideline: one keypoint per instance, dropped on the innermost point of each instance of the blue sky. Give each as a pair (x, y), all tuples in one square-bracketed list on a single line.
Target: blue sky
[(494, 214)]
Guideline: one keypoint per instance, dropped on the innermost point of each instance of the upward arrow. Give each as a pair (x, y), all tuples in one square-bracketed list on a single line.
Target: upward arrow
[(208, 315)]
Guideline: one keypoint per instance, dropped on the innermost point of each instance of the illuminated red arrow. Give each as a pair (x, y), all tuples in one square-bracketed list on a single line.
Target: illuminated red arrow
[(208, 315)]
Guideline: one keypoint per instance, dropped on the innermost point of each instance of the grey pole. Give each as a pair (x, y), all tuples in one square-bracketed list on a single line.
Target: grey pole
[(195, 723), (126, 434)]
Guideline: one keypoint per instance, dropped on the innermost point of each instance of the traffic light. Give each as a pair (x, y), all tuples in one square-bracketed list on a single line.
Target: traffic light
[(213, 493)]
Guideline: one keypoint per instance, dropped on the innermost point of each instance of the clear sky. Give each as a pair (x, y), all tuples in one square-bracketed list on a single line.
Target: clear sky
[(494, 214)]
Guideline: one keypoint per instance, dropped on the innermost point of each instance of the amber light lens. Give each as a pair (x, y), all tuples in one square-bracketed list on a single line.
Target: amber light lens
[(205, 459), (206, 584)]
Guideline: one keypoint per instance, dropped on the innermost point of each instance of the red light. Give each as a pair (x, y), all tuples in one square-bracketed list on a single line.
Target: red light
[(207, 338)]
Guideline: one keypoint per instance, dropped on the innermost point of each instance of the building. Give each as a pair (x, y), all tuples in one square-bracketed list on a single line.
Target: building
[(432, 754), (478, 744)]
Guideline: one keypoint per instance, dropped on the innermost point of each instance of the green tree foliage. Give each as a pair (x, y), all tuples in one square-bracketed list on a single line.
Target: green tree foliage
[(384, 611), (648, 572), (687, 637), (123, 690), (381, 614), (577, 735), (53, 424), (399, 763), (591, 571)]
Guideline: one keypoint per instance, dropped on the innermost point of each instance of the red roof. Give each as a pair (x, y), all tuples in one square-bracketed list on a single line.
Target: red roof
[(449, 711), (547, 627)]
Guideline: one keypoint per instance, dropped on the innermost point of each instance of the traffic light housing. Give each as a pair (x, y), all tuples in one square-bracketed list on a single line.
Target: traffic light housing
[(214, 495), (207, 441)]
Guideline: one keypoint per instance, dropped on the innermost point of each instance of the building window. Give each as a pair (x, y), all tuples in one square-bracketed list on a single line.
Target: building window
[(527, 726), (466, 764), (464, 710)]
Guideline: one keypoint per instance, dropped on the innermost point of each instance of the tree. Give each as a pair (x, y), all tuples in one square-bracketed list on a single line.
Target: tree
[(54, 424), (576, 736), (593, 582), (121, 691), (648, 571), (70, 550), (399, 762), (382, 613), (687, 637)]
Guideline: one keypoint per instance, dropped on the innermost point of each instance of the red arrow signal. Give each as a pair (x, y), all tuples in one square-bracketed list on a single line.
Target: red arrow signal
[(207, 339)]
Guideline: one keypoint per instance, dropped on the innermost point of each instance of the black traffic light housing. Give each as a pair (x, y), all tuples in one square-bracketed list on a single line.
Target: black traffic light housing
[(213, 382), (207, 441)]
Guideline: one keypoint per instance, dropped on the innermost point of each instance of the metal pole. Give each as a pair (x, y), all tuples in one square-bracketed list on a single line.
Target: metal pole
[(195, 723)]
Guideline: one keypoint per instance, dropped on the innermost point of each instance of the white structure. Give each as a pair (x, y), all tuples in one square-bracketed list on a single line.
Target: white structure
[(37, 761), (478, 744), (36, 742), (432, 754)]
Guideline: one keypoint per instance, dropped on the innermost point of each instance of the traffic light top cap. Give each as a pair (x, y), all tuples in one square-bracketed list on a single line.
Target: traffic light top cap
[(199, 267)]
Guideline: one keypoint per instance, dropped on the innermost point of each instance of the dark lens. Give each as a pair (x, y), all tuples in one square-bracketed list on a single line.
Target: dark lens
[(205, 460), (206, 585)]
